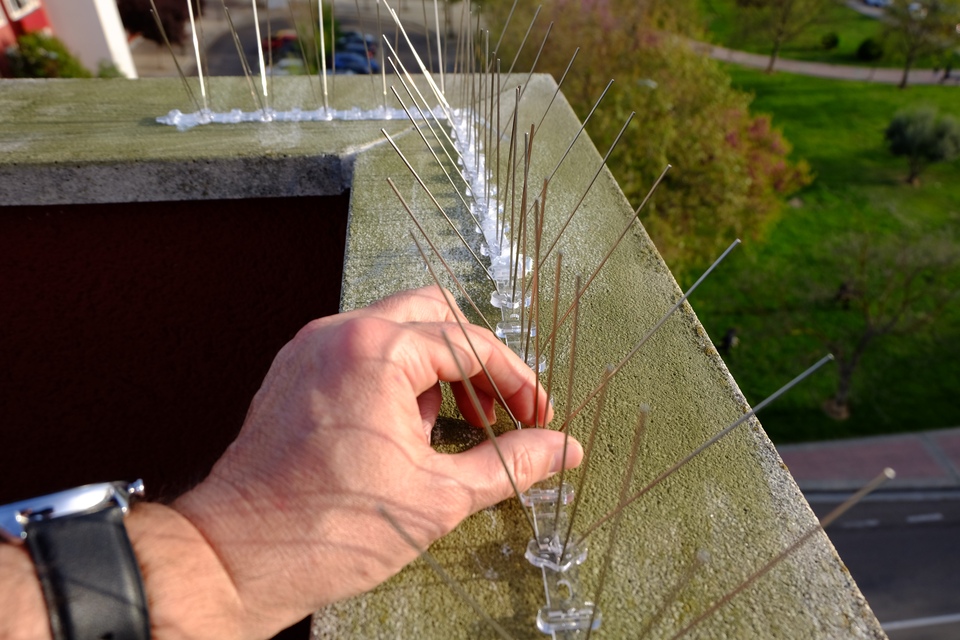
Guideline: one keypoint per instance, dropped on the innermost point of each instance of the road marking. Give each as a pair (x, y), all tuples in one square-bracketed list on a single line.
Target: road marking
[(892, 495), (869, 523), (915, 623), (924, 517)]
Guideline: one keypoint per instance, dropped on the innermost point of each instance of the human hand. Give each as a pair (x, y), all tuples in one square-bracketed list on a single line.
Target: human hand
[(341, 428)]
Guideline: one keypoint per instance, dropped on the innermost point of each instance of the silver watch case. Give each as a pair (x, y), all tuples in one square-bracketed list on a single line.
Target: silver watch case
[(86, 499)]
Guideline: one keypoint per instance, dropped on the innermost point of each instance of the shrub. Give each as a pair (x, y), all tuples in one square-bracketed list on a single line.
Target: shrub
[(924, 136), (830, 41), (870, 50), (40, 56), (108, 70)]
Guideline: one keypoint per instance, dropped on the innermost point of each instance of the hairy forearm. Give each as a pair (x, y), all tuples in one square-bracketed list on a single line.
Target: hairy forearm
[(189, 593)]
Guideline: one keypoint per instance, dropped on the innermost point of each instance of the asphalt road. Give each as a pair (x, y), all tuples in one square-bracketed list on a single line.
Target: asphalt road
[(222, 58), (904, 556)]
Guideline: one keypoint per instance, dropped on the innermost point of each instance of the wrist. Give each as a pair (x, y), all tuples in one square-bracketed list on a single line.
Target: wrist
[(235, 535), (189, 592)]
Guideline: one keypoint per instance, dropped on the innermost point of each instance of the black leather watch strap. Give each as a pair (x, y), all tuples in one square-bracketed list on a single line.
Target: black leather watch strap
[(90, 576)]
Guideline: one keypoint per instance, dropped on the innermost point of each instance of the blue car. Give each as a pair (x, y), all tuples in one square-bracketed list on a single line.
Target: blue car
[(348, 62)]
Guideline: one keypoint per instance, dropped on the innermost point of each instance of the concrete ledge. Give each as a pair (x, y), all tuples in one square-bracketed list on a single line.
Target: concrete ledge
[(737, 501), (213, 179), (98, 141)]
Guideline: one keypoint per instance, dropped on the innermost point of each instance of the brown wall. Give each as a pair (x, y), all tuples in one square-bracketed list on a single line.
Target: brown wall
[(132, 336)]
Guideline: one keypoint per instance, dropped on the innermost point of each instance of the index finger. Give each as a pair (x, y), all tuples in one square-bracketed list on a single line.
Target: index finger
[(426, 304), (478, 353)]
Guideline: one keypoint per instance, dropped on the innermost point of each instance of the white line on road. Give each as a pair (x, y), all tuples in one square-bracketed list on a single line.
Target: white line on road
[(868, 523), (924, 517), (915, 623)]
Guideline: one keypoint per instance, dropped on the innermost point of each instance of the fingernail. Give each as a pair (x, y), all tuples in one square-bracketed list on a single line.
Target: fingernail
[(574, 454), (557, 463)]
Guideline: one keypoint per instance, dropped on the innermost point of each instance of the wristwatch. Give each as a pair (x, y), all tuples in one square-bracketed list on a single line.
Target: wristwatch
[(90, 577)]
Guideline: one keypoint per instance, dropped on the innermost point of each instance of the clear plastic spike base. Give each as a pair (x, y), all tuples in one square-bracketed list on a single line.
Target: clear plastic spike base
[(550, 554), (537, 496), (566, 615), (564, 621)]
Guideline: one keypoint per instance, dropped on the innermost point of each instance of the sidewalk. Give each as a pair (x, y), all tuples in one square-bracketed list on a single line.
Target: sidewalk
[(922, 460), (885, 75)]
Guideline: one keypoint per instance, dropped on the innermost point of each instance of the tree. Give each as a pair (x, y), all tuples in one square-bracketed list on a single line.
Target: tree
[(137, 17), (732, 168), (923, 136), (921, 28), (884, 291), (780, 21), (869, 50)]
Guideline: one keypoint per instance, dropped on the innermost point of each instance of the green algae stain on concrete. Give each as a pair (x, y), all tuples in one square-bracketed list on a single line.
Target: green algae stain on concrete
[(735, 501)]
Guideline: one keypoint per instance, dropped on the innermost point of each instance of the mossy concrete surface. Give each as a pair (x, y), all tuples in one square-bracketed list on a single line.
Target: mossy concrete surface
[(736, 502), (98, 141), (82, 141)]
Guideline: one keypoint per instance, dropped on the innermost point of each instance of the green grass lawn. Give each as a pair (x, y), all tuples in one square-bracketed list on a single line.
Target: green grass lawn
[(723, 19), (907, 382)]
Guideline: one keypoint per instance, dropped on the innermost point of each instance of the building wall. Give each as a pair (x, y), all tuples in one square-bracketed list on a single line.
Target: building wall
[(7, 38), (27, 18), (92, 30), (133, 337)]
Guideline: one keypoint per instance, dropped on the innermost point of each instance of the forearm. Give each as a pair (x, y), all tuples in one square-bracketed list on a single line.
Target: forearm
[(24, 614), (189, 594)]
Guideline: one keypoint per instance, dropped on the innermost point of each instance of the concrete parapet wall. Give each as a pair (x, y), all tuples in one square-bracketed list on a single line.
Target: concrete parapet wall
[(737, 502)]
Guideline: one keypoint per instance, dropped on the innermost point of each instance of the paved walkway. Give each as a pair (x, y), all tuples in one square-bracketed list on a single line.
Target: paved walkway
[(886, 75), (923, 460), (860, 7)]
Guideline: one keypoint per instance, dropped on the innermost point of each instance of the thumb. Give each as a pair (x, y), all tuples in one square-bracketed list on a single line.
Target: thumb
[(530, 455)]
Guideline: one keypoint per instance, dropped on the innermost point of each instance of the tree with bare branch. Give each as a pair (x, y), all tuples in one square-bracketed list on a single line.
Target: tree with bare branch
[(781, 21), (884, 291), (922, 27)]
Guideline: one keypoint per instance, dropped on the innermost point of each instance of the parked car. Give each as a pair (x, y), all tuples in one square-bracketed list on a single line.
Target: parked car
[(283, 42), (356, 42), (347, 62), (878, 3)]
